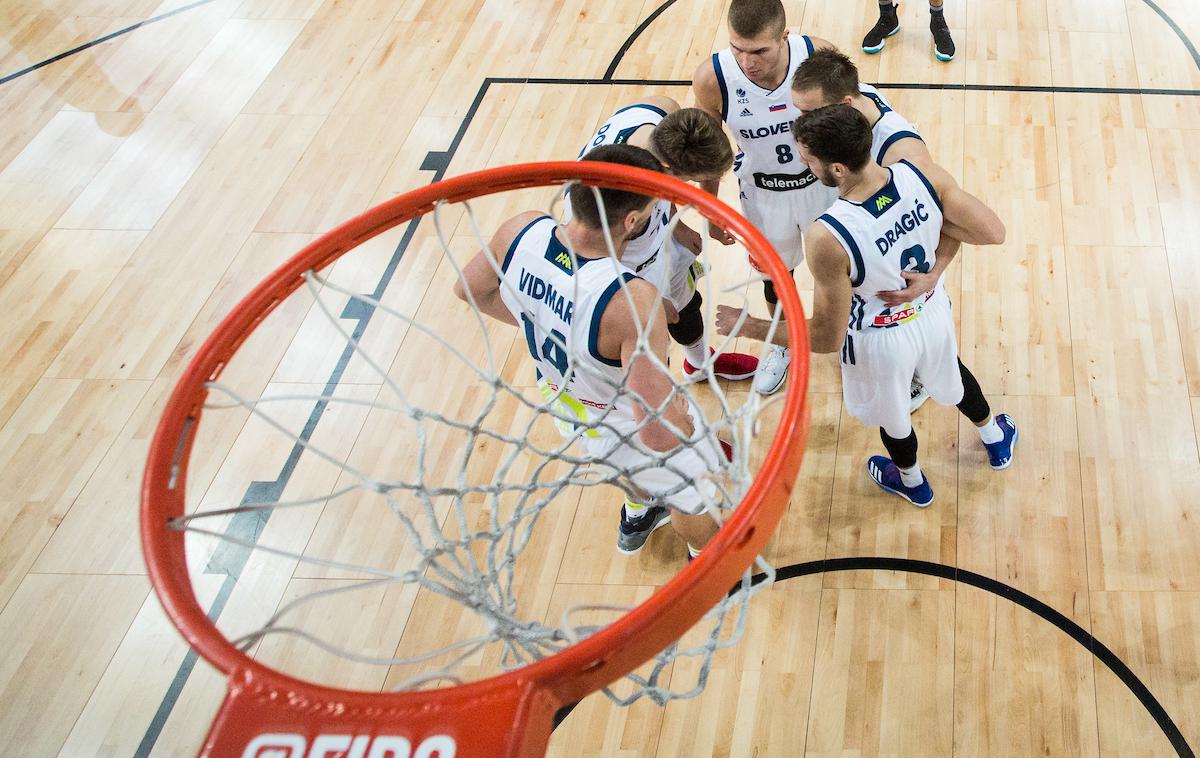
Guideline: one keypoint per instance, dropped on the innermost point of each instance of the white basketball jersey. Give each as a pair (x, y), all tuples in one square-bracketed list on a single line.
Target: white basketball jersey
[(558, 303), (761, 123), (895, 229), (642, 250), (891, 126)]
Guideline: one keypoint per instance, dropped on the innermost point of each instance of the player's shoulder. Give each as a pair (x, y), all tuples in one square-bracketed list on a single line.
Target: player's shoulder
[(707, 88), (663, 103), (512, 229), (818, 43), (628, 308), (706, 73)]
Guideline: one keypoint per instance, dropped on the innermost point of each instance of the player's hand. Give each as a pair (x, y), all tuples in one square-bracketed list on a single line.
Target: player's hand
[(689, 238), (727, 319), (918, 284), (720, 235), (672, 314)]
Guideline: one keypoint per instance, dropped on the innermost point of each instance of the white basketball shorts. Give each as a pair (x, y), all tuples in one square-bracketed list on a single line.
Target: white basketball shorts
[(682, 480), (878, 366)]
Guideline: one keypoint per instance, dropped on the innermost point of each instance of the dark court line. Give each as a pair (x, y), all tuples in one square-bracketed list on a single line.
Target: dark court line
[(1178, 32), (881, 85), (105, 38), (616, 61), (1000, 589)]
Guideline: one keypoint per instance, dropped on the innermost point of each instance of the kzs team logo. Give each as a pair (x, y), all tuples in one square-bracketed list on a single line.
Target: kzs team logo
[(741, 94), (347, 746)]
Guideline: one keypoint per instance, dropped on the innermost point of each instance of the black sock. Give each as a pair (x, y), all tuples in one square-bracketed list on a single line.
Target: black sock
[(904, 451), (973, 405)]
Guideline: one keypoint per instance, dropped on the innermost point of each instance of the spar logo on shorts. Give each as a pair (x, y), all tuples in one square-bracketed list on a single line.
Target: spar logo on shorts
[(907, 313), (348, 746)]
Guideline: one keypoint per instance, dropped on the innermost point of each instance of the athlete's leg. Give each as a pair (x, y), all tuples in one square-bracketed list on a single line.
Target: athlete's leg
[(696, 529), (998, 434), (772, 370)]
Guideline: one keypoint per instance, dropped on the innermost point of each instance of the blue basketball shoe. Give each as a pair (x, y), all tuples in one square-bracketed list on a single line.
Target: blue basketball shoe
[(887, 476), (1000, 453)]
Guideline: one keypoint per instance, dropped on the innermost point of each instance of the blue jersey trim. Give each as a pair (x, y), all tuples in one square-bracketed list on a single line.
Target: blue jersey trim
[(516, 240), (933, 193), (721, 84), (647, 106), (887, 143), (860, 271), (598, 313), (808, 42)]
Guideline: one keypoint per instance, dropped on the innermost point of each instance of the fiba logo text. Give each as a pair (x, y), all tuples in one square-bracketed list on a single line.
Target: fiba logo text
[(347, 746)]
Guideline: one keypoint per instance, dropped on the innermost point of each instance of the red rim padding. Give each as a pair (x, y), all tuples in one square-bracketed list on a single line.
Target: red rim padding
[(509, 715)]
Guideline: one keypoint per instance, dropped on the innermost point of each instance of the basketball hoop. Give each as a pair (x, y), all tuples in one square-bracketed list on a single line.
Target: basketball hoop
[(268, 712)]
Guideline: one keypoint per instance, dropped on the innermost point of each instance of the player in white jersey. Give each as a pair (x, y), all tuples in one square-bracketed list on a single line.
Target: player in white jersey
[(827, 77), (888, 220), (583, 332), (746, 85), (690, 145)]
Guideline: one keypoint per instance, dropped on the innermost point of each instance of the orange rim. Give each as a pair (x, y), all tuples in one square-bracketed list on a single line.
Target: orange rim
[(543, 686)]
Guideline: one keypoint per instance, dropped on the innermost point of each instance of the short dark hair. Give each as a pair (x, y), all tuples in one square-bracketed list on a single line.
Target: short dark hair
[(831, 71), (617, 203), (692, 143), (750, 18), (836, 134)]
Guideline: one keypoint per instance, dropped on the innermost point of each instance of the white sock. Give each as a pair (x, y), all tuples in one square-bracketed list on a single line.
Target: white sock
[(693, 551), (697, 352), (633, 510), (991, 432), (911, 476)]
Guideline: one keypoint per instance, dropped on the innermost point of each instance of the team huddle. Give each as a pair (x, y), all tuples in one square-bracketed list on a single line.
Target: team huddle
[(832, 176)]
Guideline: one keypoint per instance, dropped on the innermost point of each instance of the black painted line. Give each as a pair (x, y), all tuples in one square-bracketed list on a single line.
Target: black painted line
[(1175, 28), (616, 61), (1000, 589), (182, 674), (232, 560), (1051, 89), (105, 38)]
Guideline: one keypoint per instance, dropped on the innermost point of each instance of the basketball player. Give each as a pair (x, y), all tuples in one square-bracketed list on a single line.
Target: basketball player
[(583, 338), (746, 85), (827, 77), (887, 220), (691, 146)]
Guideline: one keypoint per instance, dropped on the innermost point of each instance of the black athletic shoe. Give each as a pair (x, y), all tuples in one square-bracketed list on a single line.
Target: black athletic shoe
[(942, 41), (887, 25), (633, 532)]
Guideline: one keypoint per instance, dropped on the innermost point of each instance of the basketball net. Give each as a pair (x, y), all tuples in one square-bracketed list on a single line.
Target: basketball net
[(438, 490)]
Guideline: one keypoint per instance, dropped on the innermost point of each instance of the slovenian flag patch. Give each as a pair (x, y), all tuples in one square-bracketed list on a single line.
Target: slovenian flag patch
[(779, 107)]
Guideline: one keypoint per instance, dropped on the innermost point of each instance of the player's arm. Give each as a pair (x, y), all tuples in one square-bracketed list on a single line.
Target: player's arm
[(832, 292), (480, 280), (638, 306), (917, 283), (819, 43), (831, 300), (965, 217), (708, 99)]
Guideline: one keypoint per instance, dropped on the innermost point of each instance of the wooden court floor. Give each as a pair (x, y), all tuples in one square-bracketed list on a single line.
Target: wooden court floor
[(148, 181)]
